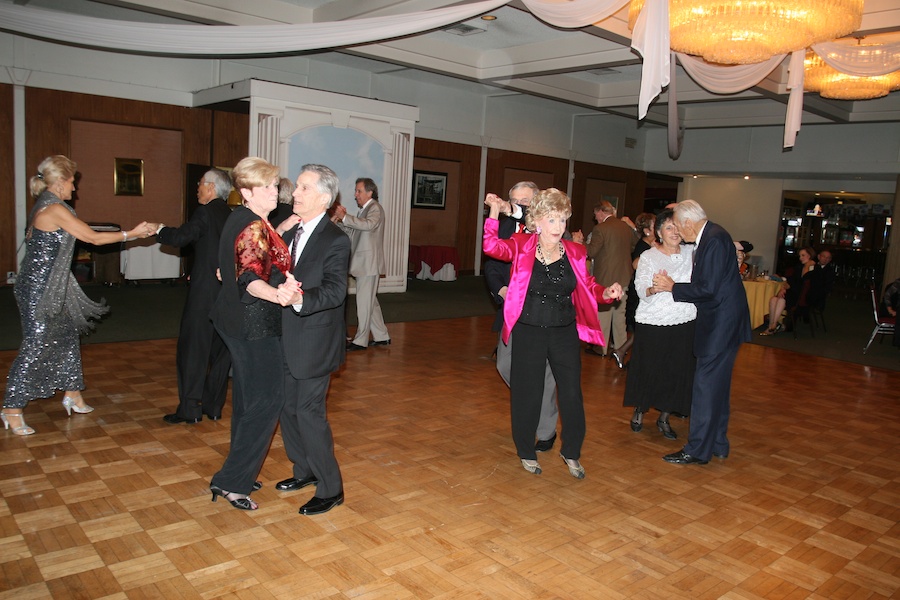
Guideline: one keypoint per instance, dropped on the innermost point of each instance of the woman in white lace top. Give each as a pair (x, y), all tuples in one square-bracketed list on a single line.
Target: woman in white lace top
[(661, 371)]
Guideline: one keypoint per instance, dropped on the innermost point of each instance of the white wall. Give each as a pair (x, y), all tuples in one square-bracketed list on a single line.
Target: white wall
[(750, 209)]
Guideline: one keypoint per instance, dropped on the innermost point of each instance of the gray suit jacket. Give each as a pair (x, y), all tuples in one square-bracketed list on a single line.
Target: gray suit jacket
[(367, 240)]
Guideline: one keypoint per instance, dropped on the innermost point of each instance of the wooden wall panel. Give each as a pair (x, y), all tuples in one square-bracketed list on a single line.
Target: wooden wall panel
[(469, 160), (7, 184), (634, 181), (47, 131)]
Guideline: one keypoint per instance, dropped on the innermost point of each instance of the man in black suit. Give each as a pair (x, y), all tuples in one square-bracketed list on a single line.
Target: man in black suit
[(313, 338), (723, 324), (202, 358), (496, 274)]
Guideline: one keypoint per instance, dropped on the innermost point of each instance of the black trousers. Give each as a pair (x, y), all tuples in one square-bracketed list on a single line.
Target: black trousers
[(257, 400), (533, 348), (307, 436), (203, 363)]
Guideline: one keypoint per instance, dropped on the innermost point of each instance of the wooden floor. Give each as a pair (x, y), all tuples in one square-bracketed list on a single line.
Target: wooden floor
[(114, 504)]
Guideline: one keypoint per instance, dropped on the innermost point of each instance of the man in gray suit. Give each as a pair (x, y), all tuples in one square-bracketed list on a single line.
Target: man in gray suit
[(366, 231)]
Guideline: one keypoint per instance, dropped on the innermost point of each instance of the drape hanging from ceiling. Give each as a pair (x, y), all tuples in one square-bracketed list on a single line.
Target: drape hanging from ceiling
[(859, 60)]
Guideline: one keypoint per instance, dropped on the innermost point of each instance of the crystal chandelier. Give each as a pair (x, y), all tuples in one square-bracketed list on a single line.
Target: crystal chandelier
[(734, 32), (831, 83)]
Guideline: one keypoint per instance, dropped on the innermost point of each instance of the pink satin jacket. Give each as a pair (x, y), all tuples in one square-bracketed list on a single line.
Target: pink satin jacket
[(519, 250)]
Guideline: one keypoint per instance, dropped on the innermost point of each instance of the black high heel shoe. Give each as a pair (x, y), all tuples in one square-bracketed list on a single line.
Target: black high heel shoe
[(243, 503), (666, 429), (637, 420)]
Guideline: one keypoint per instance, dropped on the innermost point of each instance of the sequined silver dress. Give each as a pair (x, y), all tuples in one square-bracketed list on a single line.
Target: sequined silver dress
[(53, 310)]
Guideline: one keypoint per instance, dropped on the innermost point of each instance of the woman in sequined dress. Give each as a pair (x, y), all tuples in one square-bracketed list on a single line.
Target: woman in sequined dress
[(551, 303), (253, 261), (53, 308)]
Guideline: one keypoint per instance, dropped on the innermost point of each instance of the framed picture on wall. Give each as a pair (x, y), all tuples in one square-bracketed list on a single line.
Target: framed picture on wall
[(429, 190), (614, 200), (129, 177)]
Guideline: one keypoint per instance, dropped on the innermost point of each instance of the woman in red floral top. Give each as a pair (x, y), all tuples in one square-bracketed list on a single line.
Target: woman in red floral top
[(254, 262)]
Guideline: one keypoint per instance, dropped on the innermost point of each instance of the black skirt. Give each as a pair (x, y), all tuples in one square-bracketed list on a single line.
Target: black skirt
[(661, 370)]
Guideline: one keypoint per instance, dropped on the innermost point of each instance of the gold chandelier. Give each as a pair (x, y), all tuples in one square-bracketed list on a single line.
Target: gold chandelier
[(831, 83), (735, 32)]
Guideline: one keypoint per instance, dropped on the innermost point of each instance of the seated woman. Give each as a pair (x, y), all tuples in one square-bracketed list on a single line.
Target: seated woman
[(795, 292)]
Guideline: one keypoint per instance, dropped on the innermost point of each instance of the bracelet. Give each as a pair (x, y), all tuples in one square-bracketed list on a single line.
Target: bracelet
[(124, 236)]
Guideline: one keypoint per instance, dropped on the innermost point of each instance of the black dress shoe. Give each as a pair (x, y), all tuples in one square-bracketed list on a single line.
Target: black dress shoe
[(666, 429), (722, 456), (212, 417), (257, 485), (544, 445), (637, 420), (351, 347), (292, 484), (174, 419), (680, 458), (380, 342), (618, 359), (317, 506)]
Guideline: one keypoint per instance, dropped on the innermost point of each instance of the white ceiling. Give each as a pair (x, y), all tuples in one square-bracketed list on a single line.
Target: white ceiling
[(593, 67)]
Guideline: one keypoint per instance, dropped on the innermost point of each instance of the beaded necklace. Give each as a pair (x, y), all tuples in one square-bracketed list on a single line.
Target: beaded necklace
[(562, 270)]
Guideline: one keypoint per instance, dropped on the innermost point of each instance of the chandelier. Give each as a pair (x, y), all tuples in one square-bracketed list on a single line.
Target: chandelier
[(735, 32), (831, 83)]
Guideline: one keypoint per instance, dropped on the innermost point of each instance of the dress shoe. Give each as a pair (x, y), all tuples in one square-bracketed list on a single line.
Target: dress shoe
[(257, 485), (618, 359), (666, 429), (380, 342), (212, 417), (317, 506), (351, 347), (544, 445), (174, 419), (680, 458), (593, 350), (292, 484), (637, 420), (718, 455)]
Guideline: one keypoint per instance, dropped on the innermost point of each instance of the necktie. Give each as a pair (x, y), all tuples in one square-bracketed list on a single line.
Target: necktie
[(296, 245)]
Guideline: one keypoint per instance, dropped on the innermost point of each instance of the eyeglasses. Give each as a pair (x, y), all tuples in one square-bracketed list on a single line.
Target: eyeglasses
[(202, 182)]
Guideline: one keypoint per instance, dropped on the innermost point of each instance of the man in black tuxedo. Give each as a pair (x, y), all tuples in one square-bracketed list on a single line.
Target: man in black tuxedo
[(723, 324), (496, 274), (313, 338), (201, 357)]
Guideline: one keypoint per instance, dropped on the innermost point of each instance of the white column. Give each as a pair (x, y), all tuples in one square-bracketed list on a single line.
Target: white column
[(269, 140), (396, 203)]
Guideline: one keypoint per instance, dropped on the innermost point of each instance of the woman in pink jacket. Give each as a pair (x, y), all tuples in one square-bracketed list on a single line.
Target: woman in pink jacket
[(550, 304)]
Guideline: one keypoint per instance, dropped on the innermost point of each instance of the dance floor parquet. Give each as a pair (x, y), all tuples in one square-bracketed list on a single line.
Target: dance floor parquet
[(115, 504)]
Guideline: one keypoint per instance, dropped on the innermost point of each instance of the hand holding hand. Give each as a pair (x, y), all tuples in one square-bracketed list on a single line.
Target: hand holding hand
[(340, 212), (662, 282), (289, 292), (578, 237)]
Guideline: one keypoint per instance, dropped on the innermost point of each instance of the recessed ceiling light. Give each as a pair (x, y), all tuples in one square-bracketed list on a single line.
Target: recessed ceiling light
[(746, 177), (488, 17)]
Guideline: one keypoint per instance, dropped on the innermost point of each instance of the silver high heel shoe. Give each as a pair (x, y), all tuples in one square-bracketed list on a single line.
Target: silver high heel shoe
[(531, 466), (575, 468), (69, 403), (22, 429)]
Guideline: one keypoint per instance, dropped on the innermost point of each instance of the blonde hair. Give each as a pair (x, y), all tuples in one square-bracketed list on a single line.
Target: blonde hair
[(253, 172), (51, 170), (545, 202)]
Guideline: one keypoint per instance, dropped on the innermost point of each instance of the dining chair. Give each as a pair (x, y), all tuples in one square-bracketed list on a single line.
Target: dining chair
[(883, 325)]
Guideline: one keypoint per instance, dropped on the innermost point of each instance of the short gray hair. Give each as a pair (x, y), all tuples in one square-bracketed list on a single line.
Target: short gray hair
[(220, 180), (525, 184), (328, 180), (689, 209)]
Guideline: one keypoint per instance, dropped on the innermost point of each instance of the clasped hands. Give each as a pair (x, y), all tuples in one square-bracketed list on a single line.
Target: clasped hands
[(662, 282), (339, 213), (290, 292), (143, 230)]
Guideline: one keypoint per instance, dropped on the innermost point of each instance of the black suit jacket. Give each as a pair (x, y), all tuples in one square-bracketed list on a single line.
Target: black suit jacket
[(723, 316), (496, 272), (203, 230), (313, 339)]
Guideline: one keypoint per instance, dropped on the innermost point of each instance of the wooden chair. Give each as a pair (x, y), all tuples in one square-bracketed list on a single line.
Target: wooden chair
[(883, 325)]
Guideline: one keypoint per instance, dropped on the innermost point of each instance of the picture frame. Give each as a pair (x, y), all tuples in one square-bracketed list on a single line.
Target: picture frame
[(429, 190), (128, 177)]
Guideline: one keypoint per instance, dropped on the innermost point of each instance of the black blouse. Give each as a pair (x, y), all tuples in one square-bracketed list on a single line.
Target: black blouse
[(548, 302)]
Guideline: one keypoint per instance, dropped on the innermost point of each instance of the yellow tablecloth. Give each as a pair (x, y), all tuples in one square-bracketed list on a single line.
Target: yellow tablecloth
[(758, 294)]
